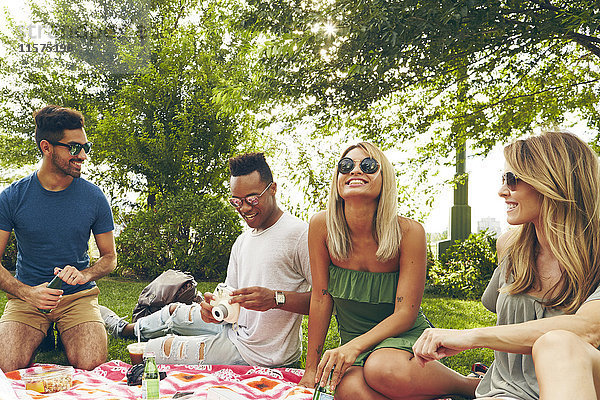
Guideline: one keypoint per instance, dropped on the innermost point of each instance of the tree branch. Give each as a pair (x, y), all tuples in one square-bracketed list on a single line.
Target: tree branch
[(546, 5), (585, 41), (522, 96)]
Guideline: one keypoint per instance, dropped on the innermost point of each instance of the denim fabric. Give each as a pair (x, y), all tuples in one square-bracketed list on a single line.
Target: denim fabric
[(190, 337), (186, 320), (192, 350)]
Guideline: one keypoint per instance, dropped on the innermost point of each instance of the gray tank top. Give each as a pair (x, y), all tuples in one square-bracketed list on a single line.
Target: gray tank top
[(511, 374)]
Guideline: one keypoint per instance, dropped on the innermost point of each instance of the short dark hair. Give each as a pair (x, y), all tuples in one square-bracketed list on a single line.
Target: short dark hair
[(51, 122), (247, 163)]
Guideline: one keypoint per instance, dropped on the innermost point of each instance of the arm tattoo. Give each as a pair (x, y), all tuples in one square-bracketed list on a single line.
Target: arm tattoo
[(319, 350), (399, 299), (325, 292)]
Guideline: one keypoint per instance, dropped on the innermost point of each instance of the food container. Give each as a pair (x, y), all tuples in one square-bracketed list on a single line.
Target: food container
[(48, 380)]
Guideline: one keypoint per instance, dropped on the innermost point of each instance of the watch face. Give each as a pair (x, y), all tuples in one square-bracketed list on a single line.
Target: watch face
[(279, 297)]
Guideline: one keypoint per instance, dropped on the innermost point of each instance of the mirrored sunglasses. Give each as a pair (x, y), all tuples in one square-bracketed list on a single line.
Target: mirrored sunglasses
[(74, 148), (368, 165), (250, 200), (510, 180)]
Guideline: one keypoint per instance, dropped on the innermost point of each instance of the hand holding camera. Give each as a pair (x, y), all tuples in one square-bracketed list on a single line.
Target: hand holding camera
[(222, 310)]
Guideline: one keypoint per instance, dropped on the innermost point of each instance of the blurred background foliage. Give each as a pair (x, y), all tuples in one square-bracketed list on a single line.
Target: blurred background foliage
[(465, 269), (189, 232)]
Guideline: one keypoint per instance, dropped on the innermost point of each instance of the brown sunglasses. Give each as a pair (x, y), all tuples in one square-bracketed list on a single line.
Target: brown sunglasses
[(510, 180)]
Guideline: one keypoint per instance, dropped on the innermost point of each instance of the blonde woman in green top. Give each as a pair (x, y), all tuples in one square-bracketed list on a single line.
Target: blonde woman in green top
[(369, 265)]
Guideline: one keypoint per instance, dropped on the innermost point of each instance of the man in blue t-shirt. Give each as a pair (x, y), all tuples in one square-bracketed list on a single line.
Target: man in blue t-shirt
[(52, 213)]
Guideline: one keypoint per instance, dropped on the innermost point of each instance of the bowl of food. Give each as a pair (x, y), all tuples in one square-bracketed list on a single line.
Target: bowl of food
[(48, 379)]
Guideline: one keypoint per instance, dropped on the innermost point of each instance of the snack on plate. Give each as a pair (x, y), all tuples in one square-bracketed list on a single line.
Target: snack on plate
[(48, 380)]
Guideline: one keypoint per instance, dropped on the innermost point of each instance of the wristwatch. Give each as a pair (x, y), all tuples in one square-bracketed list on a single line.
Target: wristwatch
[(279, 299)]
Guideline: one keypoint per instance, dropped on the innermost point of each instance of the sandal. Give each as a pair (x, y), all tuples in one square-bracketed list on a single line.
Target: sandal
[(478, 370)]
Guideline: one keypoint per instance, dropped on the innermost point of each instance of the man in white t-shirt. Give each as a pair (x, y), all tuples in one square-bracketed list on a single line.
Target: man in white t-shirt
[(269, 266)]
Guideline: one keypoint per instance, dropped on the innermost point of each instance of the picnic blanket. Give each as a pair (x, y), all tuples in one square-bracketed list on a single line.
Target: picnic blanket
[(108, 382)]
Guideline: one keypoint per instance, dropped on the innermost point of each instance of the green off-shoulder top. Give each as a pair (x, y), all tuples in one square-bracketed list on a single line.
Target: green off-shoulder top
[(362, 299)]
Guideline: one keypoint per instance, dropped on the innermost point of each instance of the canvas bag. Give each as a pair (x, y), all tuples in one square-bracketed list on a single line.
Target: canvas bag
[(169, 287)]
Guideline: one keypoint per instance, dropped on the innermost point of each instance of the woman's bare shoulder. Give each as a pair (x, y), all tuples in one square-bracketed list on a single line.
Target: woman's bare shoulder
[(410, 226), (319, 218), (318, 224)]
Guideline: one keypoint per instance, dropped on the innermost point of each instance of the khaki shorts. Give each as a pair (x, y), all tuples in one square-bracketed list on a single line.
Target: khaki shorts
[(73, 309)]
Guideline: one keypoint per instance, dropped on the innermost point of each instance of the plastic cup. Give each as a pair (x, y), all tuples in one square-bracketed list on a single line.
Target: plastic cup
[(136, 352)]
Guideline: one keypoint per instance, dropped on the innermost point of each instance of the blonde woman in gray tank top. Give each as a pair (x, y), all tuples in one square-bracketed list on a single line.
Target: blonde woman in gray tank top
[(545, 289)]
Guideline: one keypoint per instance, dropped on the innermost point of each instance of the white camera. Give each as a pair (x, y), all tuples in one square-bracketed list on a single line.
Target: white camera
[(222, 310)]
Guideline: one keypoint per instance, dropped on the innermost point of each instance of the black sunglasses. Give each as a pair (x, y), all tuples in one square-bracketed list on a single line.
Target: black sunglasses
[(367, 165), (250, 200), (510, 180), (74, 148)]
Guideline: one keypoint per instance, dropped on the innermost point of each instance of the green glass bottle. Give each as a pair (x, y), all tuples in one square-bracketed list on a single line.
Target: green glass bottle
[(324, 393), (150, 378), (55, 283)]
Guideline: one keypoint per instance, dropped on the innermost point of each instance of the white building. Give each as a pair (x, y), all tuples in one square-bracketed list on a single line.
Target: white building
[(491, 224)]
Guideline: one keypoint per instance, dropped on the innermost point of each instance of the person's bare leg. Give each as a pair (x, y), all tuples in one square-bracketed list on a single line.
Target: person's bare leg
[(86, 345), (353, 386), (566, 367), (17, 344), (128, 332), (397, 375)]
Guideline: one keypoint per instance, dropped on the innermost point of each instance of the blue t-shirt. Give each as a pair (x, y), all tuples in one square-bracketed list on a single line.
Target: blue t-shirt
[(53, 228)]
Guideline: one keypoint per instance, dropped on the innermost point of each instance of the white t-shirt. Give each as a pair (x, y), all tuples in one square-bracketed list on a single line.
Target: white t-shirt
[(275, 258)]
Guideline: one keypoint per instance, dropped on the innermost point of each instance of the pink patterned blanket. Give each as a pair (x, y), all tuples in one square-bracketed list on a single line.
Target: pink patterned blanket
[(223, 382), (108, 382)]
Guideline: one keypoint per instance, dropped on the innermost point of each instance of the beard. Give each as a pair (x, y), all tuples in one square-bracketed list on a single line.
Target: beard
[(66, 166)]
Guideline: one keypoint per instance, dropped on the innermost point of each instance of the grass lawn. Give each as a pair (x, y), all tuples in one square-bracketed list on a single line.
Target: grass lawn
[(121, 296)]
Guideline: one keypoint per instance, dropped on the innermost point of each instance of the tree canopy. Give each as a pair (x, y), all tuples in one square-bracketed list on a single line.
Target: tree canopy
[(491, 69)]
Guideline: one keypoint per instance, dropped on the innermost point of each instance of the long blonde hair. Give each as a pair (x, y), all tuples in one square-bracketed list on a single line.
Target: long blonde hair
[(386, 227), (565, 171)]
